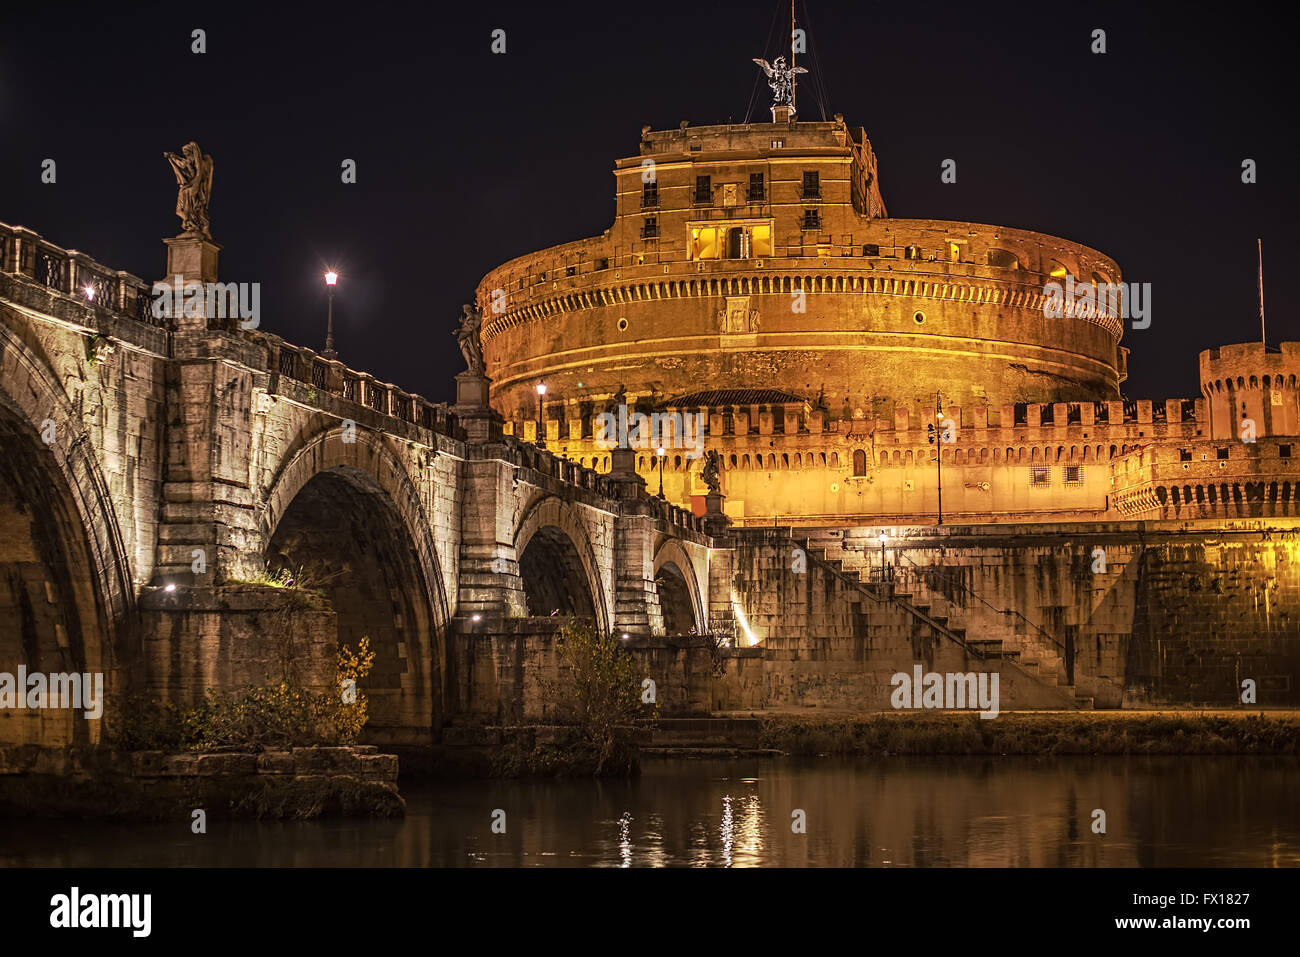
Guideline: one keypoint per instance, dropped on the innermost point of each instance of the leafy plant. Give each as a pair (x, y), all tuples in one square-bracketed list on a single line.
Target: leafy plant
[(279, 715), (599, 689)]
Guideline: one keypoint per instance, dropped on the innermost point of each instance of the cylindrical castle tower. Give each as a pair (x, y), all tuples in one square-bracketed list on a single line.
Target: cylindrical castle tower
[(761, 256), (1243, 382)]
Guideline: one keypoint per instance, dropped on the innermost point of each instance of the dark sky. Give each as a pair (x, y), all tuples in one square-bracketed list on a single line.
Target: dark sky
[(466, 159)]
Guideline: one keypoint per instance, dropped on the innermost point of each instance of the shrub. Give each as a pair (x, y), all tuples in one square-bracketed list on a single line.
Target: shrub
[(278, 715), (599, 689)]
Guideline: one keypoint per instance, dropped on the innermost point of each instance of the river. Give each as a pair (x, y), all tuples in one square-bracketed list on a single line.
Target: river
[(868, 812)]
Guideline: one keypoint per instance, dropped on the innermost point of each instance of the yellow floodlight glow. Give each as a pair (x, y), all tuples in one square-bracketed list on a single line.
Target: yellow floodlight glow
[(750, 638)]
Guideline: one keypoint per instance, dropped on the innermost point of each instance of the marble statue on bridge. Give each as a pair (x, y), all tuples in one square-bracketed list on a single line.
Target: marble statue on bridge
[(193, 170), (471, 346)]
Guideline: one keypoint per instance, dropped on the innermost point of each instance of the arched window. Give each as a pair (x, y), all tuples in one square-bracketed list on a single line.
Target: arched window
[(1003, 259), (859, 462)]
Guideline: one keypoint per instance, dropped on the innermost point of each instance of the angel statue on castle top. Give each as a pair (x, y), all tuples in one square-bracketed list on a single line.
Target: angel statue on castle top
[(781, 79)]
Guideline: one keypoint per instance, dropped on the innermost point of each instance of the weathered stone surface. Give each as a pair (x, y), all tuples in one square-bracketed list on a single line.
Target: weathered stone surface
[(212, 764)]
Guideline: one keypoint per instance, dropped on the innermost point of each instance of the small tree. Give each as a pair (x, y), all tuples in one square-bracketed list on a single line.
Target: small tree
[(600, 689)]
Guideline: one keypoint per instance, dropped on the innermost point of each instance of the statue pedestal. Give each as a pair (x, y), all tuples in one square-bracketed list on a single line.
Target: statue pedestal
[(622, 472), (715, 523), (783, 113), (191, 258), (471, 391), (473, 410)]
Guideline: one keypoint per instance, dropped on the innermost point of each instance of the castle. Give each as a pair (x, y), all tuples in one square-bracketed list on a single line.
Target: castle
[(753, 277)]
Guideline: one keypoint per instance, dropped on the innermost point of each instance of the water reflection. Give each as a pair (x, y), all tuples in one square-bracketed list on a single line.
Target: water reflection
[(934, 812)]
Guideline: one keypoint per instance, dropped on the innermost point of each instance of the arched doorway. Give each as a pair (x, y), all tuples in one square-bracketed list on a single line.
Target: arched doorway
[(554, 577), (675, 600), (342, 534)]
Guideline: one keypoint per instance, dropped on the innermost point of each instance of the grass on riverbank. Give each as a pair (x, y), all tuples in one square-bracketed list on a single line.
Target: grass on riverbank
[(1023, 733)]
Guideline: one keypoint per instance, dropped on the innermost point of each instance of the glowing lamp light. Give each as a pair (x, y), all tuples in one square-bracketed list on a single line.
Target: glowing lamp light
[(882, 539), (171, 586), (90, 293), (541, 388), (331, 278), (476, 618), (661, 451), (625, 636)]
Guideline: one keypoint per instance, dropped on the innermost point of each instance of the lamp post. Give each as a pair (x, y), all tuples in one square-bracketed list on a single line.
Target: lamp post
[(661, 452), (882, 556), (541, 416), (936, 439), (331, 278)]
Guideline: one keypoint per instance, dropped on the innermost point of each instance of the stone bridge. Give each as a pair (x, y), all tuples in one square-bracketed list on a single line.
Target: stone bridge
[(160, 473)]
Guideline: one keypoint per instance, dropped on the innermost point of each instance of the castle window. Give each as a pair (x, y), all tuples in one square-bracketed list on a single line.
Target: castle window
[(738, 243), (651, 228), (912, 252), (1184, 455), (757, 191), (706, 242), (1040, 477), (571, 270), (954, 252), (1221, 453), (870, 249), (1074, 475), (649, 195), (602, 263), (1284, 451), (1003, 259), (1056, 270), (859, 462), (778, 144), (703, 191), (812, 219), (812, 187)]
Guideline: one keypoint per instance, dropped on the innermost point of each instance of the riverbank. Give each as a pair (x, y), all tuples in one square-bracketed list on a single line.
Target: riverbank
[(1036, 733), (296, 784)]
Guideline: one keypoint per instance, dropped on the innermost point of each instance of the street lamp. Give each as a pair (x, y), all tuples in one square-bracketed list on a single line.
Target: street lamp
[(661, 452), (541, 416), (331, 278), (936, 439), (882, 555)]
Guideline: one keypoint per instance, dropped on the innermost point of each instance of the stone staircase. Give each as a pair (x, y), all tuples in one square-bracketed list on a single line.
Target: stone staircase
[(1038, 656)]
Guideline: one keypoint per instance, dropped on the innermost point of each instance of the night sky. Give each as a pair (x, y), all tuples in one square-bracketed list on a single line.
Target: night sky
[(466, 159)]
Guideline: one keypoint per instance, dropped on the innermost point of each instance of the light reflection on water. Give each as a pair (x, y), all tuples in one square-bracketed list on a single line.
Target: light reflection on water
[(890, 812)]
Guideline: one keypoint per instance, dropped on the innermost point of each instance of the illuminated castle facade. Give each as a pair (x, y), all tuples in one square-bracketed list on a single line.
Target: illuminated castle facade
[(753, 277)]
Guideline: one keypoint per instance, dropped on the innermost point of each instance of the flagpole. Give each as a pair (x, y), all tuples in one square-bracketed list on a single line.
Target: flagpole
[(792, 76), (1263, 336)]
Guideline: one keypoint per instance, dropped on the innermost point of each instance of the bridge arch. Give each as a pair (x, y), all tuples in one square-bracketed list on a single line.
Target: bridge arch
[(678, 585), (347, 517), (557, 563), (67, 602)]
